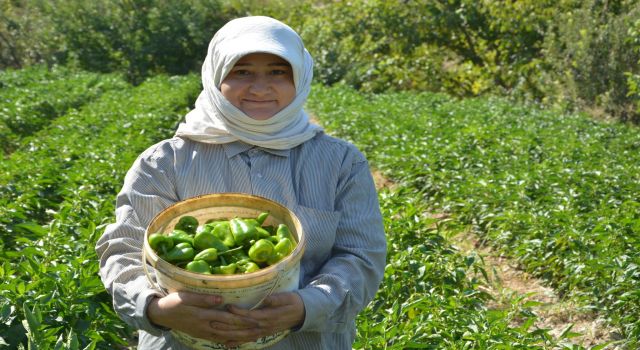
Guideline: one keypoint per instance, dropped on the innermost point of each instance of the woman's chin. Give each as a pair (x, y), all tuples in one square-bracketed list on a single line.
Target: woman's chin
[(260, 116), (260, 113)]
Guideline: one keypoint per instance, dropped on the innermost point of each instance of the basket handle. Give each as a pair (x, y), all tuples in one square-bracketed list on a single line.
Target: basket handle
[(153, 284), (273, 286)]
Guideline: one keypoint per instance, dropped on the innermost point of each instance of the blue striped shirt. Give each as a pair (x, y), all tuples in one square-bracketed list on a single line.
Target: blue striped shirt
[(325, 181)]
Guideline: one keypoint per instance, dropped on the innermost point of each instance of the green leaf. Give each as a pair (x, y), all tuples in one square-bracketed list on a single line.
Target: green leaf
[(59, 343), (600, 346), (566, 333), (31, 325), (33, 228), (72, 341)]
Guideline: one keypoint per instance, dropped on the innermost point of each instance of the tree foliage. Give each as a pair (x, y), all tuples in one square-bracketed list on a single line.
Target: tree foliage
[(569, 53), (138, 37)]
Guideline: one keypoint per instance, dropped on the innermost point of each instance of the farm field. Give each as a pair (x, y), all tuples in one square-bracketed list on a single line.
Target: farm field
[(57, 195), (557, 193), (33, 96)]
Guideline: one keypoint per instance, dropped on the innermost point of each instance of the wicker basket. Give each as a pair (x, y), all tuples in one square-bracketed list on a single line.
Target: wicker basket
[(245, 290)]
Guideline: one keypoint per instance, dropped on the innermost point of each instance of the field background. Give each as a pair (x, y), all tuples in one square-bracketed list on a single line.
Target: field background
[(495, 129)]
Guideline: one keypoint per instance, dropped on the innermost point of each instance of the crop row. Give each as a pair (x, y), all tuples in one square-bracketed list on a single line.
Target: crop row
[(556, 192), (58, 193), (30, 98)]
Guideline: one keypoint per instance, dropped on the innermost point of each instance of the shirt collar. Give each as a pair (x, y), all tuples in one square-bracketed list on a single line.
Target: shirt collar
[(234, 148)]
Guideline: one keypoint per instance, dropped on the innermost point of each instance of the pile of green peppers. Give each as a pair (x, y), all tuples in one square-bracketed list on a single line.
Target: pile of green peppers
[(238, 245)]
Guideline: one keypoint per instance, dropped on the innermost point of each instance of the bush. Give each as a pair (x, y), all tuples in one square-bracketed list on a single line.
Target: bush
[(139, 37), (633, 79), (26, 35), (591, 49), (573, 54)]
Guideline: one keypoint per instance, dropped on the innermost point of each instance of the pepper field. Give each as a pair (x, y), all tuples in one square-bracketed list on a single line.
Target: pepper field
[(556, 193)]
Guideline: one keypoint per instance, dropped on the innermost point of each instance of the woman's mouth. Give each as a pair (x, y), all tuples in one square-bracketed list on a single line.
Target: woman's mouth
[(259, 101)]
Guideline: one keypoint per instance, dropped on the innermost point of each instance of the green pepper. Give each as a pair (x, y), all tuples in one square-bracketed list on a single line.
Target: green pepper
[(284, 247), (187, 223), (273, 239), (262, 217), (274, 258), (281, 250), (215, 263), (247, 267), (205, 228), (223, 232), (237, 255), (243, 230), (261, 250), (198, 266), (160, 243), (225, 269), (270, 228), (262, 233), (283, 232), (180, 252), (206, 239), (208, 255), (214, 222), (180, 236)]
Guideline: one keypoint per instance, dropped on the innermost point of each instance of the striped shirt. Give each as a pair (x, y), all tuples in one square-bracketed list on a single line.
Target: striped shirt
[(325, 181)]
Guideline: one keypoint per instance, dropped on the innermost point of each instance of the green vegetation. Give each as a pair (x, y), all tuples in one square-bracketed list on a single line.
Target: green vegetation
[(139, 38), (412, 85), (233, 246), (31, 97), (556, 192), (57, 196), (574, 54)]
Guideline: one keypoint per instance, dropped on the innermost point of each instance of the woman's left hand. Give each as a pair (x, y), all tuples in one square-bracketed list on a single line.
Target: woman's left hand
[(278, 312)]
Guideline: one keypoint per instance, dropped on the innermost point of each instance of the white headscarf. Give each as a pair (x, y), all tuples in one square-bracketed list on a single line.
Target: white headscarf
[(216, 120)]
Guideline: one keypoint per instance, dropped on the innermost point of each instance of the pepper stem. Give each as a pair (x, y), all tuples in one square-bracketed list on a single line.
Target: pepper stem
[(231, 250)]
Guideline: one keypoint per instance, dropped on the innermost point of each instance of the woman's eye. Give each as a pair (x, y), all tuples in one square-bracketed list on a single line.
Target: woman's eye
[(278, 72), (242, 72)]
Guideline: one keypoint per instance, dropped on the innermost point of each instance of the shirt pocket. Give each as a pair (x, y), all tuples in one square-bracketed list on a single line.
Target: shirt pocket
[(320, 233)]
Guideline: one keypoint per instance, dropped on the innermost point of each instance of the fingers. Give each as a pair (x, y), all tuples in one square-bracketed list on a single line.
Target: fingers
[(201, 316), (231, 321), (278, 312), (272, 301), (237, 333)]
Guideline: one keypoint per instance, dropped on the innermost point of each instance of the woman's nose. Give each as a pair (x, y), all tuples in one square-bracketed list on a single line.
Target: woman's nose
[(260, 85)]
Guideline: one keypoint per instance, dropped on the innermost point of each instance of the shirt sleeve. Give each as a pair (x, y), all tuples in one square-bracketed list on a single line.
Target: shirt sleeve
[(349, 279), (147, 190)]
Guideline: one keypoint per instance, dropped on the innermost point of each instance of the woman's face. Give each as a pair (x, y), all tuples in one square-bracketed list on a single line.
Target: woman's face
[(260, 85)]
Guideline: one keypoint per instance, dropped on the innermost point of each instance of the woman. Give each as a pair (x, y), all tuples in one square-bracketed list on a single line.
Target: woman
[(248, 133)]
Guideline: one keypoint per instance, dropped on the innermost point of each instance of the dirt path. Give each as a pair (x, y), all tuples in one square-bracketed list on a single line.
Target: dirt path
[(508, 281)]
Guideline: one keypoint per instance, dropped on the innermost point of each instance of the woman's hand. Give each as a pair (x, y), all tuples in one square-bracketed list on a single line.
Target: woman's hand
[(278, 312), (198, 316)]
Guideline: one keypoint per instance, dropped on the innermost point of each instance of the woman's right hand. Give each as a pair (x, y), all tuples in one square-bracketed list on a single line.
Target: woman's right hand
[(196, 314)]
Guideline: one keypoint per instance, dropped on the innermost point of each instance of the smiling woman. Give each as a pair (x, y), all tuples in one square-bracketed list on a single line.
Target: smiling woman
[(260, 85), (250, 134)]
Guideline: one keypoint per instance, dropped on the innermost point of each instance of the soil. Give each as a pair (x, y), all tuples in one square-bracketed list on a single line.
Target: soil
[(507, 281)]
